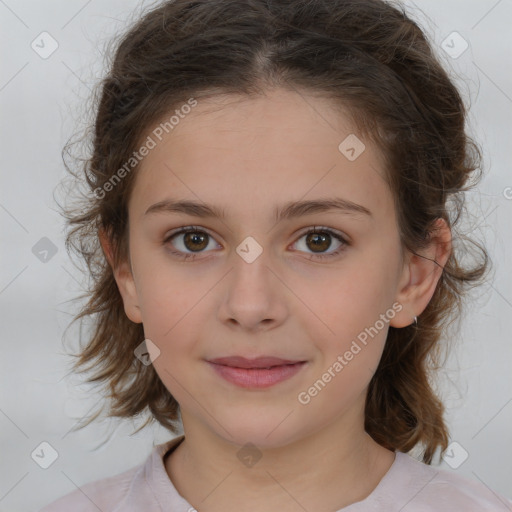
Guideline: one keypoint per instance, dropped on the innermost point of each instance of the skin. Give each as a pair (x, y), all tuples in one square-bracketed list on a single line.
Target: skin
[(248, 156)]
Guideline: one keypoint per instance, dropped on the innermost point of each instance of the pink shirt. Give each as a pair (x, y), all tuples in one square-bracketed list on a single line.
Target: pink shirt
[(408, 486)]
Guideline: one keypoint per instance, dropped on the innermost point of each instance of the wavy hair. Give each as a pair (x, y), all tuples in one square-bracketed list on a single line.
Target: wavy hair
[(369, 57)]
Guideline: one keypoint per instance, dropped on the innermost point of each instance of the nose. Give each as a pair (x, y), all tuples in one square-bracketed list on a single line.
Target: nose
[(255, 297)]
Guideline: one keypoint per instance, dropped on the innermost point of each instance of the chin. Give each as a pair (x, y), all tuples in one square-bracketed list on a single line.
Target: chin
[(264, 433)]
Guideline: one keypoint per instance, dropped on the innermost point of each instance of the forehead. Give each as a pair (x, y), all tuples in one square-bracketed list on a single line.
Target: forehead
[(250, 154)]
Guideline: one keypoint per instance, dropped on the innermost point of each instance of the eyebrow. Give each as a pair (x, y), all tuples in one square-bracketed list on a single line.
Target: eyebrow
[(287, 211)]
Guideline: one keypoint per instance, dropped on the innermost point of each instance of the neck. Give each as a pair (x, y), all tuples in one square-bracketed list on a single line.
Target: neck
[(324, 471)]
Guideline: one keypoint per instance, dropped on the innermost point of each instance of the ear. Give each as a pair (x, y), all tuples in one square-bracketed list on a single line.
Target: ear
[(124, 279), (421, 274)]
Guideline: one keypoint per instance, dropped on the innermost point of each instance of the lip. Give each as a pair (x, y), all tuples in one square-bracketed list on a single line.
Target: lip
[(259, 373), (258, 362)]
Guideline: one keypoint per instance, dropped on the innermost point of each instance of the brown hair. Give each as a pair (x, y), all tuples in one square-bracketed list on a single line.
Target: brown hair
[(370, 58)]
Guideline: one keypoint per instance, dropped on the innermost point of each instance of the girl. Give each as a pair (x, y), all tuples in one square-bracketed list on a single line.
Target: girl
[(273, 189)]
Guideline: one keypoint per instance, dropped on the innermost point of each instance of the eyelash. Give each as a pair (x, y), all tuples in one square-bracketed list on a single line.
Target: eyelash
[(194, 229)]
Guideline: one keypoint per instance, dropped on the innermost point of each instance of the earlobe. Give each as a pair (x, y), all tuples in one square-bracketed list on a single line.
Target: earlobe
[(421, 275), (124, 279)]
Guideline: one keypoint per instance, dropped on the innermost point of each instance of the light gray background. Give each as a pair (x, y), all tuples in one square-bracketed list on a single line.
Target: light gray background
[(42, 101)]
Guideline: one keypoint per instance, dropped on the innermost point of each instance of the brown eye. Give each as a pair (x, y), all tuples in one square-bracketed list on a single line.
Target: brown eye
[(191, 241), (195, 240), (188, 241), (319, 240)]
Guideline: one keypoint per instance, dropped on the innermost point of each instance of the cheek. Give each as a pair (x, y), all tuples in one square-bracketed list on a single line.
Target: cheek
[(345, 299), (177, 342), (167, 292), (348, 315), (349, 360), (173, 307)]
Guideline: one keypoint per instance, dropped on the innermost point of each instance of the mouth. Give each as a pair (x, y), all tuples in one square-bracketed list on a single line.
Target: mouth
[(259, 373), (266, 362)]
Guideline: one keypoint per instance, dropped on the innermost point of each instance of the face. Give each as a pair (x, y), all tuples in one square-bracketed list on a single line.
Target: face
[(252, 284)]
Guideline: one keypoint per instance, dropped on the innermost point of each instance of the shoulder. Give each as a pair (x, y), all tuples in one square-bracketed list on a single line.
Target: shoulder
[(138, 488), (104, 494), (440, 489)]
